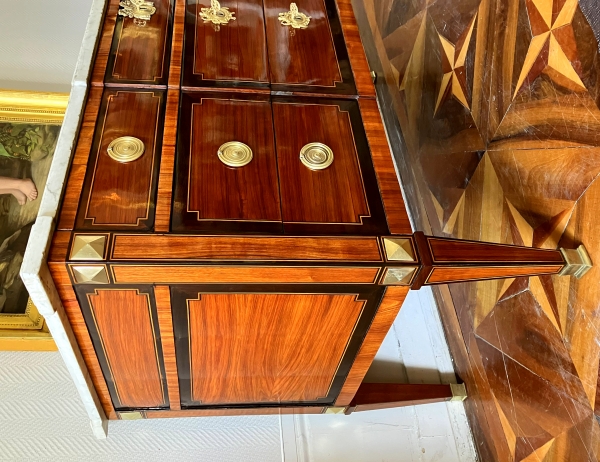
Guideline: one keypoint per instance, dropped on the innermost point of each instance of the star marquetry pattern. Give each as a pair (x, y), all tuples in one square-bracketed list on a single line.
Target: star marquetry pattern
[(454, 81), (552, 49)]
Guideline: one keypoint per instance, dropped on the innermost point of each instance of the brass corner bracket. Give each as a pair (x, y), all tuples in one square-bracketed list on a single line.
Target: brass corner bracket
[(578, 262)]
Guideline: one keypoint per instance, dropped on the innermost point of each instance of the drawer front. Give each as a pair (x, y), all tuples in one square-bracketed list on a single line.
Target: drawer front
[(342, 198), (211, 196), (256, 345), (123, 326), (228, 55), (140, 53), (314, 59), (119, 195)]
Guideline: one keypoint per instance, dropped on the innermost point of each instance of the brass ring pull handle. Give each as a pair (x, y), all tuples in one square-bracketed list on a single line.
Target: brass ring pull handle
[(316, 156), (294, 18), (217, 14), (235, 154), (125, 149), (138, 10)]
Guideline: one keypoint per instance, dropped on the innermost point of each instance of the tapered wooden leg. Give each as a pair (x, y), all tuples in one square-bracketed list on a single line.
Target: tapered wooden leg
[(371, 396), (454, 260)]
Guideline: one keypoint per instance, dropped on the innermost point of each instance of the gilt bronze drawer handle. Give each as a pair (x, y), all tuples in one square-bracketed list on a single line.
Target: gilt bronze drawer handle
[(125, 149), (216, 14), (294, 18), (235, 154), (138, 10), (316, 156)]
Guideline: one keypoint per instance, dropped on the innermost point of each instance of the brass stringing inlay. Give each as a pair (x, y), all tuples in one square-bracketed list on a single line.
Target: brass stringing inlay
[(316, 156), (125, 149), (216, 14), (138, 10), (294, 18), (235, 154)]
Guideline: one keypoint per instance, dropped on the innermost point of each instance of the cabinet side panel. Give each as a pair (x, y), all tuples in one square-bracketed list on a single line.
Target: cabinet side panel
[(386, 314), (126, 336)]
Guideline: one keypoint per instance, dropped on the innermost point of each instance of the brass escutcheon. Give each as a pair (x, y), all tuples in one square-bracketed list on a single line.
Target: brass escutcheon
[(216, 14), (316, 156), (235, 154), (138, 10), (294, 18), (125, 149)]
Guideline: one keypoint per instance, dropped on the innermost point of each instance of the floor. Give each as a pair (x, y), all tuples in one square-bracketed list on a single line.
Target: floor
[(42, 418), (492, 109)]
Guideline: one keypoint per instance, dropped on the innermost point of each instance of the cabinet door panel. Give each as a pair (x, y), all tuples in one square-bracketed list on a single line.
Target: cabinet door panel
[(313, 59), (229, 55), (211, 196), (251, 346), (140, 54), (123, 327), (342, 198)]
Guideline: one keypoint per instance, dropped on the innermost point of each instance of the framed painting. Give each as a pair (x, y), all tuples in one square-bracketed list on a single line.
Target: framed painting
[(29, 126)]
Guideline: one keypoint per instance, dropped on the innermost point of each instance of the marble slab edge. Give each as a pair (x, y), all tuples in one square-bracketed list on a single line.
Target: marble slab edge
[(34, 270)]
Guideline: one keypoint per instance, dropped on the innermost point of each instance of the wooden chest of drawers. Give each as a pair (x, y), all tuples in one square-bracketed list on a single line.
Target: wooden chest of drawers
[(233, 237)]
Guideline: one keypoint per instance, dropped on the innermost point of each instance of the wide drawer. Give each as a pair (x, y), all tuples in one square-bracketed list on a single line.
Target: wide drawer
[(255, 49), (253, 164)]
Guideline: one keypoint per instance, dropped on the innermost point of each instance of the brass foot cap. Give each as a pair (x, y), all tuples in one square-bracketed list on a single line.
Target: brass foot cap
[(578, 262)]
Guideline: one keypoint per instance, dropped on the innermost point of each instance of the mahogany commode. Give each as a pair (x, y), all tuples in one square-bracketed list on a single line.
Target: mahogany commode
[(254, 255)]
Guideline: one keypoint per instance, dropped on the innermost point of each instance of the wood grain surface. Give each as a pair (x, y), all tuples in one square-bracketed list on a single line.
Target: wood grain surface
[(125, 327), (171, 274), (333, 195), (232, 53), (162, 296), (233, 412), (289, 359), (356, 52), (79, 163), (447, 274), (389, 182), (140, 54), (120, 193), (371, 396), (105, 43), (386, 314), (211, 190), (164, 195), (304, 56), (84, 341), (178, 247), (177, 39), (454, 251)]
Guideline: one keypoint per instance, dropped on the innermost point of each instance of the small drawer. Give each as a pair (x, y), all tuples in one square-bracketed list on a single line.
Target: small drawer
[(314, 59), (120, 187), (227, 55), (140, 50)]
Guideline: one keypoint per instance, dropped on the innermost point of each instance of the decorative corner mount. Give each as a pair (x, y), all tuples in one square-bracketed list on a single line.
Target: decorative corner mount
[(217, 14), (578, 262), (138, 10), (294, 18), (459, 392)]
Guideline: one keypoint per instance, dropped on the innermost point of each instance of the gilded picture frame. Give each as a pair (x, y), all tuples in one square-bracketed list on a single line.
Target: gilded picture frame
[(28, 331)]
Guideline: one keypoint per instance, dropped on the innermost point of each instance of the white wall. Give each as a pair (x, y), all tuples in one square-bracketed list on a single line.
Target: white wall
[(39, 43)]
